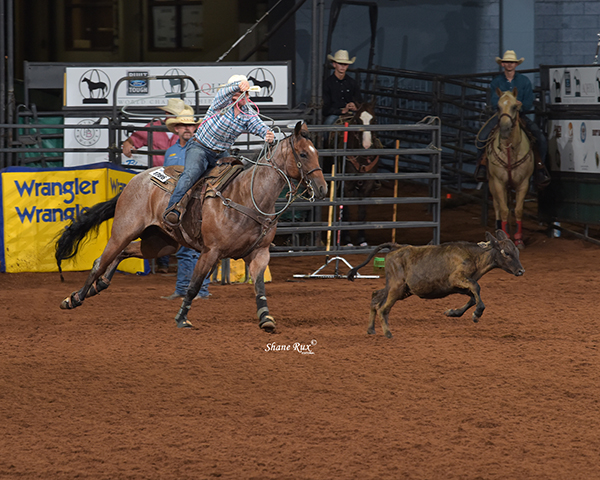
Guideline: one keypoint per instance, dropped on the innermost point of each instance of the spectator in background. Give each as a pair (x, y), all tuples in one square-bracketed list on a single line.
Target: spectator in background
[(160, 140), (341, 93), (184, 127)]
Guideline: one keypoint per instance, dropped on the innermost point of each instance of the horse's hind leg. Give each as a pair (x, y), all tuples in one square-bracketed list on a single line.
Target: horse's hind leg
[(133, 250), (259, 261), (113, 249)]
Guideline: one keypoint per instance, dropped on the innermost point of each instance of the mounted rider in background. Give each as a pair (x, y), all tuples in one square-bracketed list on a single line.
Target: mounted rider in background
[(507, 81)]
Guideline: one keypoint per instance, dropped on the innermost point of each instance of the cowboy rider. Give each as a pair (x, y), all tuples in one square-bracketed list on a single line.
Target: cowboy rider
[(508, 80), (227, 118)]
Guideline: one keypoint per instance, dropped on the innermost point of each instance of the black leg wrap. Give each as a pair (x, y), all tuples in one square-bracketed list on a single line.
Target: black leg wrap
[(181, 317), (75, 302), (265, 321), (262, 310), (101, 284)]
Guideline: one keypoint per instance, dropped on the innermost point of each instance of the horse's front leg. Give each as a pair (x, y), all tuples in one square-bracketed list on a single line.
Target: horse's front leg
[(520, 193), (258, 262), (204, 266), (500, 196)]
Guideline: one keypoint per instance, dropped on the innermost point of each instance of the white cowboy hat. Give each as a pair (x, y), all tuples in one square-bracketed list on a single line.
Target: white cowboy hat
[(174, 106), (186, 117), (509, 56), (238, 79), (341, 56)]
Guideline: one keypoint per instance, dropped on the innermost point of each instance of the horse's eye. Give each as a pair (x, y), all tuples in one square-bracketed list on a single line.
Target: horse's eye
[(303, 155)]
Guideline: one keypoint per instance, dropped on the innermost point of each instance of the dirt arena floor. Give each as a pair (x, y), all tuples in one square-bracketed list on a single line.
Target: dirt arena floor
[(112, 390)]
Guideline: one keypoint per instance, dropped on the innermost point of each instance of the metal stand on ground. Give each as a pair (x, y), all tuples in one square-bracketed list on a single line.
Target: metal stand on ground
[(336, 273)]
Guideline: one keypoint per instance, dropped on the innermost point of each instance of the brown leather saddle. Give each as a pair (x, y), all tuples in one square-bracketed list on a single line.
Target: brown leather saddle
[(215, 180)]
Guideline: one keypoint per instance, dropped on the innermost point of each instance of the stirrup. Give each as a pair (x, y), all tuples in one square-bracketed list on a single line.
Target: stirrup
[(481, 173), (172, 217), (541, 178)]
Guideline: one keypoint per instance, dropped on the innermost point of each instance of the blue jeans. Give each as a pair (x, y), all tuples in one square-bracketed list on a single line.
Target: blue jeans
[(330, 119), (197, 160), (186, 261), (163, 261)]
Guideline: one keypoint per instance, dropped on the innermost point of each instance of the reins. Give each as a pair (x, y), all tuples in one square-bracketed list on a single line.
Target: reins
[(264, 219)]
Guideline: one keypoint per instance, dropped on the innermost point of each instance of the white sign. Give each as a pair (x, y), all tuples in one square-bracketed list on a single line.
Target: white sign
[(91, 135), (574, 145), (578, 85), (95, 86)]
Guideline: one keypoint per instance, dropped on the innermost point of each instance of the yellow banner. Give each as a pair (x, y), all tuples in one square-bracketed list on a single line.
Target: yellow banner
[(37, 204)]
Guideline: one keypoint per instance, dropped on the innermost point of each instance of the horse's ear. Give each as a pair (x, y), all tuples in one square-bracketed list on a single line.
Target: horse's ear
[(498, 92), (298, 128), (515, 92)]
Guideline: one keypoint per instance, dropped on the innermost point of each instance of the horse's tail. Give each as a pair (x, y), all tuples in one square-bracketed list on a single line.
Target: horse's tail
[(392, 246), (73, 235)]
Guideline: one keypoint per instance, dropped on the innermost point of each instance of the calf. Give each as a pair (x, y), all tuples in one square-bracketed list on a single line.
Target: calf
[(436, 271)]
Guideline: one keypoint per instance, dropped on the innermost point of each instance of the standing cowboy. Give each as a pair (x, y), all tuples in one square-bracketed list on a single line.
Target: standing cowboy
[(506, 81), (340, 92), (184, 127), (226, 119)]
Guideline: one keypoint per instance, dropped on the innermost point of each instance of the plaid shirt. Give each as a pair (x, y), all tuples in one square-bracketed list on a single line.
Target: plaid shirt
[(220, 129)]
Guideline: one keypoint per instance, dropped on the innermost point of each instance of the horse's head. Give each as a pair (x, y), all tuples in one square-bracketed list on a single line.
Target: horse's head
[(303, 163), (365, 115), (508, 111)]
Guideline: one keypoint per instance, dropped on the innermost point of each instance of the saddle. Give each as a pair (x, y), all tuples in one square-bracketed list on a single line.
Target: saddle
[(209, 185)]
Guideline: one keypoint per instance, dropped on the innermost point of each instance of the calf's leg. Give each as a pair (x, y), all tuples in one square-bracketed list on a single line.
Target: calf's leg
[(458, 312)]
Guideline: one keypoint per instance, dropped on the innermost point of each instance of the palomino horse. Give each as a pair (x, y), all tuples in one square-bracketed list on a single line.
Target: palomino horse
[(237, 223), (360, 164), (510, 163)]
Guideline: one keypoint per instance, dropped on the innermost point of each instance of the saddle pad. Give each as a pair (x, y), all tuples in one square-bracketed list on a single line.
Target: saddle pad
[(166, 177), (217, 178)]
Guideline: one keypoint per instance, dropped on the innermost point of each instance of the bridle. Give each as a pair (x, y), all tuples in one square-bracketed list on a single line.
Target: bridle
[(303, 176)]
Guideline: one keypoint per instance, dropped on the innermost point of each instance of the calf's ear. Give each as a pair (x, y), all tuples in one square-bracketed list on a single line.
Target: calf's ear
[(501, 235), (490, 238)]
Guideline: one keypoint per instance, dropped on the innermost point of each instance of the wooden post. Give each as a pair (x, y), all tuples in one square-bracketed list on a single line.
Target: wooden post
[(331, 197), (395, 191)]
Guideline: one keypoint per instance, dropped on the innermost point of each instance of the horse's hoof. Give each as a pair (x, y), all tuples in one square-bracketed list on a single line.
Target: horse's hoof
[(268, 325), (185, 324), (388, 334), (371, 331), (65, 305)]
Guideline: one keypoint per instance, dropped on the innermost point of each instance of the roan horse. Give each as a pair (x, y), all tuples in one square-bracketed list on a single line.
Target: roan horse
[(360, 164), (510, 163), (238, 223)]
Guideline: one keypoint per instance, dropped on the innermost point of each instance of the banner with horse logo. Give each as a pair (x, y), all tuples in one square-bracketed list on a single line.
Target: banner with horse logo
[(37, 204)]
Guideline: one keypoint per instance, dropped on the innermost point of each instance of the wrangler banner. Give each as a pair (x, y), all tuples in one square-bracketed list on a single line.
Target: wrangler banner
[(37, 204)]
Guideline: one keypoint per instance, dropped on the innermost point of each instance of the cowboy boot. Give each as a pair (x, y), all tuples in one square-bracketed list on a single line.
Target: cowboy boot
[(172, 216), (481, 169), (541, 176)]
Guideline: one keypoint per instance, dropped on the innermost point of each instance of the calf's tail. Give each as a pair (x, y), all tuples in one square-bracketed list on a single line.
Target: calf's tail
[(73, 235), (391, 246)]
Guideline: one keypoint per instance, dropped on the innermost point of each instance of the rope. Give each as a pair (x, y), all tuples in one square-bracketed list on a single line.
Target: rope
[(489, 139)]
